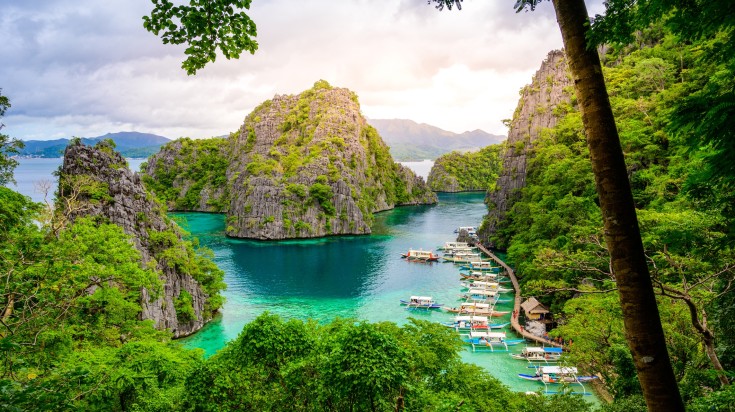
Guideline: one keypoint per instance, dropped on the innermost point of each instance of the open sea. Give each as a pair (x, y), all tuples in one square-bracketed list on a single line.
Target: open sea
[(360, 277)]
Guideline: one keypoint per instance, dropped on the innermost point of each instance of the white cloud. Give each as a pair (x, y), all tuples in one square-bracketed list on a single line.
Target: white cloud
[(86, 67)]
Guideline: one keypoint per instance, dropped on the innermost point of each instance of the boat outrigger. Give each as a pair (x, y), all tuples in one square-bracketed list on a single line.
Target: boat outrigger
[(421, 302), (538, 354), (455, 246), (552, 375), (480, 266), (478, 284), (420, 255), (484, 277), (490, 341)]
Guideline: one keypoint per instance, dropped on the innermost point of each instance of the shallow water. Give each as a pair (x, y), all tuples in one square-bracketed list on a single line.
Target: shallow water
[(359, 276)]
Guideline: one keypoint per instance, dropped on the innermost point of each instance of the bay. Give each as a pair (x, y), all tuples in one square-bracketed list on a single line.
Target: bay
[(361, 277)]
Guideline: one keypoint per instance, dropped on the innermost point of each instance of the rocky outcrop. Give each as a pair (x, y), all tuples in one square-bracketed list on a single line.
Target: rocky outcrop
[(95, 181), (300, 166), (465, 172), (551, 86)]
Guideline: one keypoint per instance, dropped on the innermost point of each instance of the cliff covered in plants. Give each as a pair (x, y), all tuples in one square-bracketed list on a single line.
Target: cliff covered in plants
[(683, 198), (304, 165), (466, 172), (94, 182), (540, 107)]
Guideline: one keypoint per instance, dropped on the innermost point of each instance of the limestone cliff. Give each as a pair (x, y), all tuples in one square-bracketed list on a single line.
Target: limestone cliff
[(95, 181), (300, 166), (466, 172), (551, 85)]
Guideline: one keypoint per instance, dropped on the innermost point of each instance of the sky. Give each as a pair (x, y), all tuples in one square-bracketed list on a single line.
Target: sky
[(88, 67)]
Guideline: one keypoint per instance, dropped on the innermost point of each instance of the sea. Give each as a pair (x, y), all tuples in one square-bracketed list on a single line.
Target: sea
[(360, 277)]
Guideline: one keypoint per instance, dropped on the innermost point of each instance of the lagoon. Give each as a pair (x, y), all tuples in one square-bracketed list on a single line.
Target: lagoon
[(361, 277)]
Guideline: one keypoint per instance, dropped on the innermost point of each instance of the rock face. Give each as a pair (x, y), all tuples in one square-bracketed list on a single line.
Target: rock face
[(95, 181), (300, 166), (551, 86)]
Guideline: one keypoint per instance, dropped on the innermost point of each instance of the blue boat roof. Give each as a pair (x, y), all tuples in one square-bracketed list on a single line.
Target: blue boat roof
[(553, 350)]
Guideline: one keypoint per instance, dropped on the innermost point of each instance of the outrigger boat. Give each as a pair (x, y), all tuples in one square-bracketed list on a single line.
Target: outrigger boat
[(490, 341), (421, 302), (420, 255), (480, 266), (484, 277), (473, 322), (552, 375), (462, 257), (455, 246), (478, 284), (469, 229), (539, 354)]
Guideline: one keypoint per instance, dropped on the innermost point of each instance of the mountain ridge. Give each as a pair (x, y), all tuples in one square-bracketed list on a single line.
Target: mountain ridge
[(410, 140), (129, 144)]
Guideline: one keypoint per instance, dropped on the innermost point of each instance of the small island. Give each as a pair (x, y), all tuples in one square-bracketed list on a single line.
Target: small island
[(301, 166)]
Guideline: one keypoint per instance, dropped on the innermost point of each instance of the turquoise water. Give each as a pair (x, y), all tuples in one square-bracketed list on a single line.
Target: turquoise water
[(362, 277)]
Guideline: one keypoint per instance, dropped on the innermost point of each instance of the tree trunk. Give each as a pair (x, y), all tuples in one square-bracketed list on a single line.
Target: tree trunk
[(643, 329)]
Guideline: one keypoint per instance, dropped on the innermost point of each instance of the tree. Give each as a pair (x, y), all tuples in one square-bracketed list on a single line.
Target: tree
[(8, 147), (204, 26), (644, 332)]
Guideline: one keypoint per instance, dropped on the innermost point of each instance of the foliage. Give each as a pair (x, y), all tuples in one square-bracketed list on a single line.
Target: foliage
[(466, 171), (554, 234), (8, 147), (199, 164), (204, 28)]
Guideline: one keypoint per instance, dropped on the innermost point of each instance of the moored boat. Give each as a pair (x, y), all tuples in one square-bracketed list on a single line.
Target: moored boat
[(420, 255), (462, 257), (480, 266), (490, 341), (484, 277), (557, 375), (479, 284), (421, 302), (454, 246), (538, 354), (468, 322), (469, 229)]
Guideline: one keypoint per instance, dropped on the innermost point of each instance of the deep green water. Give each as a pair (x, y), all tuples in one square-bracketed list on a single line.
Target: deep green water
[(362, 276)]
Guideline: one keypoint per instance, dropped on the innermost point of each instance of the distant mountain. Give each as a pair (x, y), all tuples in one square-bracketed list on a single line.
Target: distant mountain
[(409, 140), (129, 144)]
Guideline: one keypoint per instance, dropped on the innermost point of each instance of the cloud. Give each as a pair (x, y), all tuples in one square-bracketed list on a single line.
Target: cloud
[(87, 67)]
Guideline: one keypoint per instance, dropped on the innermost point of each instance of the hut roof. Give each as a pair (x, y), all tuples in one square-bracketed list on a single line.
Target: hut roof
[(533, 306)]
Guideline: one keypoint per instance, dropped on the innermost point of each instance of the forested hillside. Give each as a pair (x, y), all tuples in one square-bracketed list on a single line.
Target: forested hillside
[(463, 172), (553, 231)]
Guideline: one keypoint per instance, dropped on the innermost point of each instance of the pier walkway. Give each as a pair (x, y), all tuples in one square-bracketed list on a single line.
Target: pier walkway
[(517, 305)]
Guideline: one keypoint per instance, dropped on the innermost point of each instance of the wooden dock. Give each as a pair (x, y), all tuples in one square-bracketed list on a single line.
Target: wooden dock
[(517, 305)]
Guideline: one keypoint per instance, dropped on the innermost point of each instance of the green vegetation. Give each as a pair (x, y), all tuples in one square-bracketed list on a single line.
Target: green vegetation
[(555, 238), (8, 147), (201, 164), (470, 171)]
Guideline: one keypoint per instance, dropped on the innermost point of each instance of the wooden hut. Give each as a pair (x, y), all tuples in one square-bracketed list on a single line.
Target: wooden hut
[(534, 310)]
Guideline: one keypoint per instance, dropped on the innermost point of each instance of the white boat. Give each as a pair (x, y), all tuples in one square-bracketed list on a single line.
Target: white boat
[(478, 284), (469, 229), (538, 354), (421, 302), (468, 322), (453, 246), (420, 255), (490, 341), (463, 257), (484, 277), (478, 265), (554, 375)]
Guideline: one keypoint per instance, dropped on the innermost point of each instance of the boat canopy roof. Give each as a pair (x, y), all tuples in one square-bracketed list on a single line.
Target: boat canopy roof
[(533, 349), (422, 298), (496, 334), (559, 370), (553, 350), (484, 283)]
